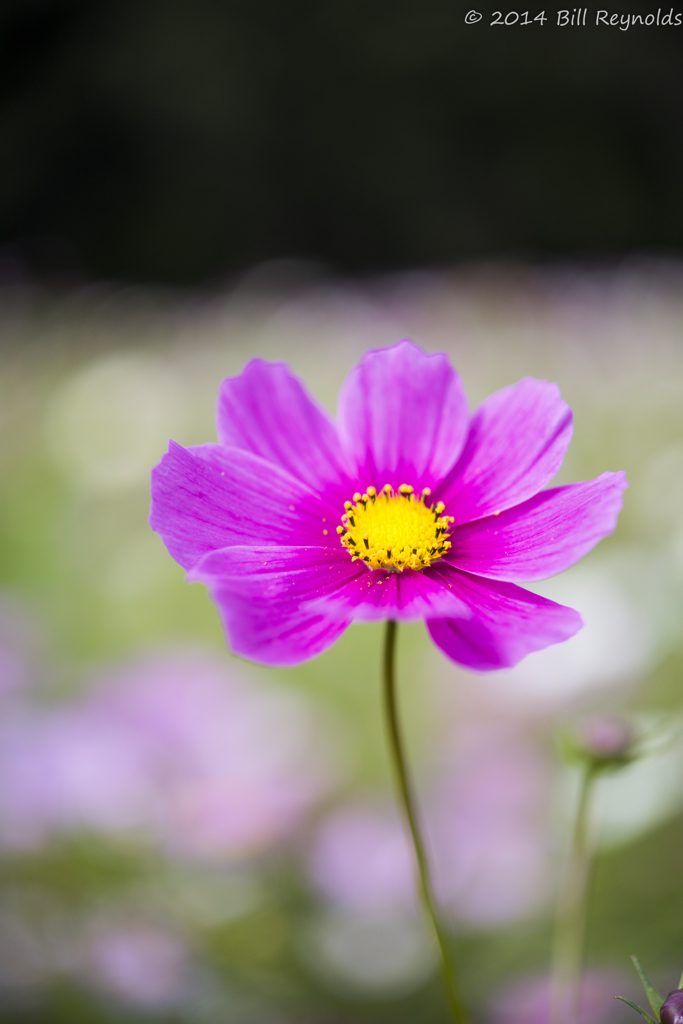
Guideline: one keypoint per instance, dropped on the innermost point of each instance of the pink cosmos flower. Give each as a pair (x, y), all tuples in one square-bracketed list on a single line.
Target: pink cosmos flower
[(361, 860), (407, 508), (173, 747), (144, 965), (484, 814), (528, 1001)]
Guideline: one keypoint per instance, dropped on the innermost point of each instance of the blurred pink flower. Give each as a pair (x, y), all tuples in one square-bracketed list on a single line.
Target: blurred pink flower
[(360, 860), (528, 1001), (67, 769), (485, 819), (144, 965), (488, 818), (605, 736), (178, 748)]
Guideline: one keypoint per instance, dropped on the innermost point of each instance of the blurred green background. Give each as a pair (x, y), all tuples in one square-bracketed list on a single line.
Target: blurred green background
[(112, 911)]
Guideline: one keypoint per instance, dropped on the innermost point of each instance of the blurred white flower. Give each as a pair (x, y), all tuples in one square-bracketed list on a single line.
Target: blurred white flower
[(140, 565), (110, 421), (660, 495), (381, 955), (614, 645), (640, 796)]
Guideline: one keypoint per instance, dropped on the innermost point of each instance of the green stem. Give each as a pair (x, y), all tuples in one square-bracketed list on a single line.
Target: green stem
[(405, 790), (572, 913)]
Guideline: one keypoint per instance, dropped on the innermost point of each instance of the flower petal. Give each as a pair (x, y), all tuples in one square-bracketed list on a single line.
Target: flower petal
[(209, 497), (515, 446), (304, 572), (402, 417), (267, 411), (397, 595), (263, 595), (542, 536), (505, 624)]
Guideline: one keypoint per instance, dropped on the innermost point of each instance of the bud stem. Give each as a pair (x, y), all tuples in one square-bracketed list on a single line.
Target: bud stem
[(570, 925)]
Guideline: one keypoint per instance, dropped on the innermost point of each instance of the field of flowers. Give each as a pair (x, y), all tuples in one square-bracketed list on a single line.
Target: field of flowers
[(189, 837)]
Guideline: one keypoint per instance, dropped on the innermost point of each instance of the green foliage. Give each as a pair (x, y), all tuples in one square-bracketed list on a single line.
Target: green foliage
[(653, 996), (639, 1009)]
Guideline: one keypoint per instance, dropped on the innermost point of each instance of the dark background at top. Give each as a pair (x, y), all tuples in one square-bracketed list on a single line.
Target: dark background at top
[(178, 141)]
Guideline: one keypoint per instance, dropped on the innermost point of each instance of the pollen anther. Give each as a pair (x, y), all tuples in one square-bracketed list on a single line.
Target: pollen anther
[(400, 532)]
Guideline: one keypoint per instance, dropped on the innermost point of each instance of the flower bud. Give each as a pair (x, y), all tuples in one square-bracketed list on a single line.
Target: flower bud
[(602, 743), (606, 738), (672, 1008)]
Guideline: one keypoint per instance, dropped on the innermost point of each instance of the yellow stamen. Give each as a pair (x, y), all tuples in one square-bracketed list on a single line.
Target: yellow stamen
[(398, 533)]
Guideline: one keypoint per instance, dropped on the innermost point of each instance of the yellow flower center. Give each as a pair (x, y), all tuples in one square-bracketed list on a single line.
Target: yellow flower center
[(394, 531)]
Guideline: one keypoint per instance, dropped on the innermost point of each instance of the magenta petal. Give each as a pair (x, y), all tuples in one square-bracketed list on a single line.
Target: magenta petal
[(515, 446), (267, 411), (506, 623), (544, 535), (209, 497), (402, 417), (305, 573), (398, 595), (263, 595)]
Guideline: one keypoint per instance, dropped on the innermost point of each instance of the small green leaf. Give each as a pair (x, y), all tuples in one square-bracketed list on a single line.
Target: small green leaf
[(639, 1009), (680, 983), (653, 996)]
